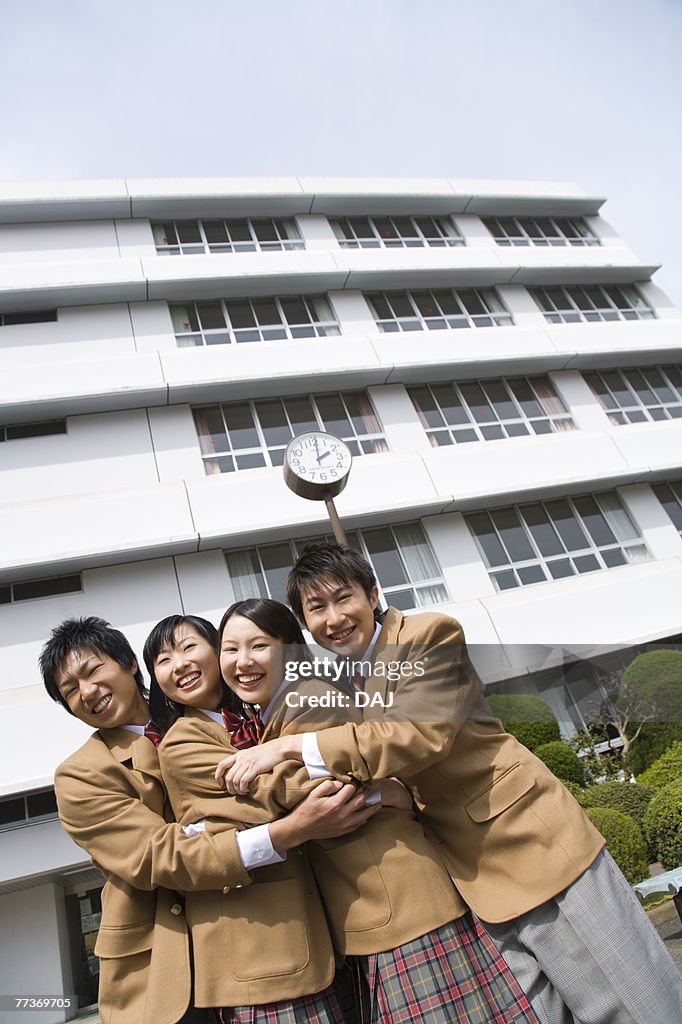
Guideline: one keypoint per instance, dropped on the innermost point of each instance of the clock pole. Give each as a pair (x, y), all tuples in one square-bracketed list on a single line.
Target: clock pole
[(339, 535)]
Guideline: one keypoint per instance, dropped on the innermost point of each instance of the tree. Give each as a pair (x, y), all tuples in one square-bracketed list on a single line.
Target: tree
[(527, 718), (648, 702)]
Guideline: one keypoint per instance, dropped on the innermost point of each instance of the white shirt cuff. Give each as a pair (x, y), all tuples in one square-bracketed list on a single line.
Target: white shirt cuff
[(256, 849), (373, 794), (194, 829), (312, 758)]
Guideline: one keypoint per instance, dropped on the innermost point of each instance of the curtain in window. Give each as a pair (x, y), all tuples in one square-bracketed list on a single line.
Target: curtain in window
[(623, 528), (416, 553), (245, 574)]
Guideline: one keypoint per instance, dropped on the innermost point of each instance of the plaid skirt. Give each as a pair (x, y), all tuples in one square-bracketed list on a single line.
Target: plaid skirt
[(453, 974), (319, 1008)]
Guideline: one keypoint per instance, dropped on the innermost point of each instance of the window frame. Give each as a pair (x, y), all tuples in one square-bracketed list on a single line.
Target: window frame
[(356, 539), (458, 433), (506, 574), (461, 317), (204, 246), (575, 311), (637, 410), (355, 442), (524, 237), (446, 234), (281, 330)]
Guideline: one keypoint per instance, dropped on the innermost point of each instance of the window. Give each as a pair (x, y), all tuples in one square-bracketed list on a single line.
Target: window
[(395, 232), (636, 396), (437, 309), (35, 316), (525, 544), (591, 302), (21, 810), (12, 592), (187, 237), (22, 430), (406, 568), (670, 497), (485, 410), (233, 321), (540, 231), (244, 435)]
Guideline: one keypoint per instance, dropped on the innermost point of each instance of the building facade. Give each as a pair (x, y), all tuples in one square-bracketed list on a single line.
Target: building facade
[(508, 377)]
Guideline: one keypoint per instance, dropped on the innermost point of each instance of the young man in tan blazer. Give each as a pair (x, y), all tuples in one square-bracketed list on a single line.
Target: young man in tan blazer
[(112, 803), (519, 848)]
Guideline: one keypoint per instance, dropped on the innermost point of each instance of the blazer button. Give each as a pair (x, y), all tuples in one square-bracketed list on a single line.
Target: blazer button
[(226, 889), (176, 909)]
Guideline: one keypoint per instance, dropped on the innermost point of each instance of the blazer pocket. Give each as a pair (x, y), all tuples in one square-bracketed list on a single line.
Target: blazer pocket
[(267, 943), (115, 942), (504, 791), (352, 886)]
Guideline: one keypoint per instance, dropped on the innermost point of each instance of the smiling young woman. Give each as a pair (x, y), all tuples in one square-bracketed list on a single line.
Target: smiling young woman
[(263, 952)]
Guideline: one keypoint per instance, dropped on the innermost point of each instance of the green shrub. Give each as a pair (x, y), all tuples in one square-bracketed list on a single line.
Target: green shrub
[(576, 791), (663, 824), (563, 761), (624, 841), (651, 692), (527, 718), (665, 769), (626, 797), (653, 741)]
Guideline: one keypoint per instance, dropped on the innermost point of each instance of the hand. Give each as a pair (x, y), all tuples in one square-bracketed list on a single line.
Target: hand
[(395, 794), (331, 810), (238, 771)]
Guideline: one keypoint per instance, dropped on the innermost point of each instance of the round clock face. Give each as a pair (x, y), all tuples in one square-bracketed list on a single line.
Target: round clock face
[(317, 464)]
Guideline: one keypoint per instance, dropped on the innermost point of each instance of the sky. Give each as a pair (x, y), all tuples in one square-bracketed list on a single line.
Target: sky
[(565, 90)]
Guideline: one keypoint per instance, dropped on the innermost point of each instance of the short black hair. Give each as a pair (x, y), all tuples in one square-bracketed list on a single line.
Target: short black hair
[(273, 617), (323, 563), (162, 710), (87, 634)]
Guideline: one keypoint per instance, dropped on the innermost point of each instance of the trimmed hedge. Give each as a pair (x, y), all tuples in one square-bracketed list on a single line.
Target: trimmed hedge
[(576, 791), (624, 841), (652, 681), (563, 761), (665, 769), (626, 797), (663, 824), (653, 741), (527, 718)]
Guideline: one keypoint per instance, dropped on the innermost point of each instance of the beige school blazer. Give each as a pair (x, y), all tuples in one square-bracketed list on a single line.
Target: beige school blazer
[(381, 886), (111, 802), (510, 833), (384, 884), (269, 941)]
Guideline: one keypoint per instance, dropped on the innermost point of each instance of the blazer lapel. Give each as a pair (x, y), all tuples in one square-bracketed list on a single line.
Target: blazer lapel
[(131, 746), (377, 682)]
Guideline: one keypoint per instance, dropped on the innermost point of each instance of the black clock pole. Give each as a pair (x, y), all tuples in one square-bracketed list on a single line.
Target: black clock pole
[(339, 535)]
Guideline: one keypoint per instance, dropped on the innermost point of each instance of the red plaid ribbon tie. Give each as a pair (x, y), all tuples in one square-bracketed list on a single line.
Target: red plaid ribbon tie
[(358, 682), (244, 732), (152, 732)]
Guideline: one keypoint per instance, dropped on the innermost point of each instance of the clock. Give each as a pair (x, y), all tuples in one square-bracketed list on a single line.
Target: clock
[(316, 465)]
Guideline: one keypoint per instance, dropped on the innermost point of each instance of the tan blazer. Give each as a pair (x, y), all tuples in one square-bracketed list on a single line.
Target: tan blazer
[(267, 942), (111, 802), (384, 884), (511, 834)]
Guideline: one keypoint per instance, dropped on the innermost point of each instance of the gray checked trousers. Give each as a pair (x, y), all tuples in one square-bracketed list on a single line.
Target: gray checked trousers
[(593, 952)]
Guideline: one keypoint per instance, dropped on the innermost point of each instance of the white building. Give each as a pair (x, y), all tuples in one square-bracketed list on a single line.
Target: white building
[(508, 374)]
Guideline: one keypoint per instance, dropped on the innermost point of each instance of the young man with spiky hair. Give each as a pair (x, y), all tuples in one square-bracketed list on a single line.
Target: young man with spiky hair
[(112, 803), (519, 848)]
